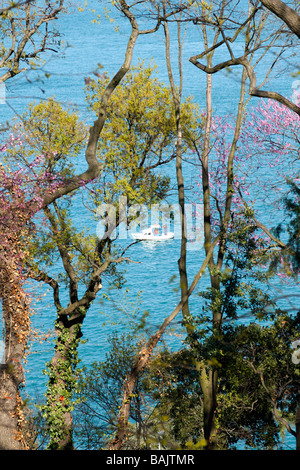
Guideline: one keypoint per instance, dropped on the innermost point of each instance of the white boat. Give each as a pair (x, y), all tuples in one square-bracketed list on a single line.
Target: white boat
[(152, 233)]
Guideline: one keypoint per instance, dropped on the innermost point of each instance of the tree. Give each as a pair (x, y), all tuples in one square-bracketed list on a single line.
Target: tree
[(136, 141), (222, 230), (216, 234), (257, 392), (100, 388), (20, 199), (242, 288), (21, 25), (224, 206), (177, 97), (272, 129), (258, 381), (284, 12), (26, 34), (167, 12), (94, 168), (223, 218)]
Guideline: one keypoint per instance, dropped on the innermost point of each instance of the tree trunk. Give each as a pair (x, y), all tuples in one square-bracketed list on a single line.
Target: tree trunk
[(176, 94), (298, 427), (16, 317), (62, 383), (181, 199), (208, 381)]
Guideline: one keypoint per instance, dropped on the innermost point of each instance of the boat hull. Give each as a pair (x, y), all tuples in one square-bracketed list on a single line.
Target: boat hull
[(156, 238)]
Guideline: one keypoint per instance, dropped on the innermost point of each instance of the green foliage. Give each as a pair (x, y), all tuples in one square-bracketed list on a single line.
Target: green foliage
[(137, 140), (172, 380), (290, 231), (257, 377), (241, 291), (293, 207), (48, 130), (62, 385), (163, 409), (100, 388), (258, 386), (258, 383), (139, 135)]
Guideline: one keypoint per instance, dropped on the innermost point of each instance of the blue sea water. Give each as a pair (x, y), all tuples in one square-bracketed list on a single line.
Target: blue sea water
[(150, 284)]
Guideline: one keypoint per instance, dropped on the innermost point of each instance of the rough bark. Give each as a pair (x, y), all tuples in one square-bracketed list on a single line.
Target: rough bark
[(16, 317), (290, 17), (208, 381)]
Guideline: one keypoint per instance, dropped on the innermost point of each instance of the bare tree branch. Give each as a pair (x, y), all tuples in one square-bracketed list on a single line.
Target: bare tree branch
[(23, 31), (14, 5), (253, 90), (285, 13)]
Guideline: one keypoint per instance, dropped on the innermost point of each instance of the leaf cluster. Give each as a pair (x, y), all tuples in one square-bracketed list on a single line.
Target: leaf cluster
[(139, 136), (52, 134), (100, 388)]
